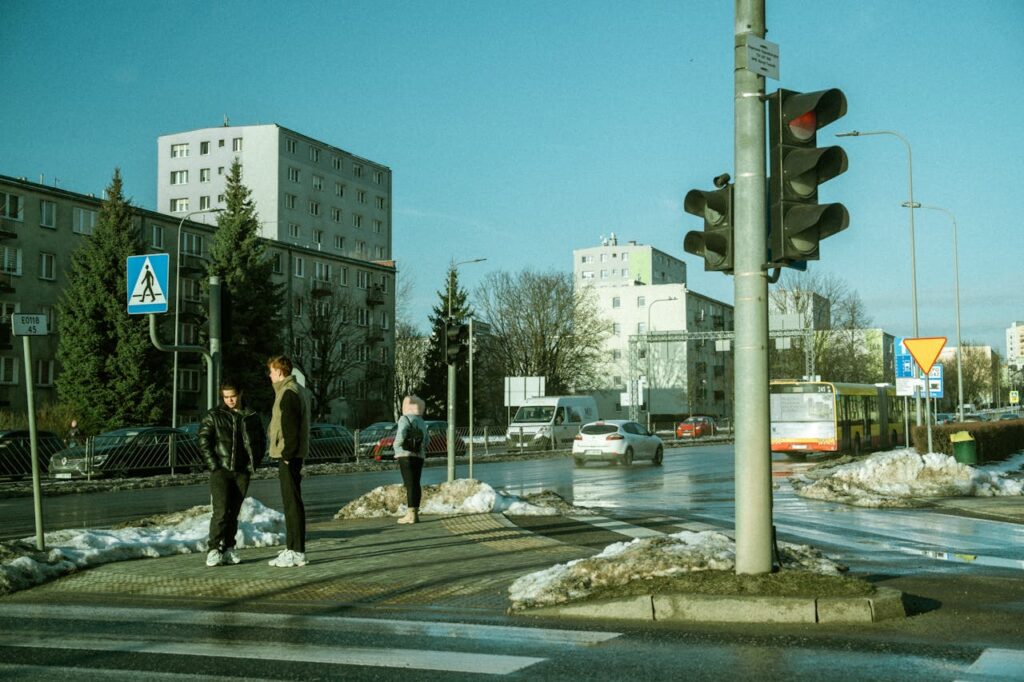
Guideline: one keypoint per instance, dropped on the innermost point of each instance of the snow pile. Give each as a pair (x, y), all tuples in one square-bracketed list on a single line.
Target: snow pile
[(461, 496), (22, 566), (641, 559), (899, 477)]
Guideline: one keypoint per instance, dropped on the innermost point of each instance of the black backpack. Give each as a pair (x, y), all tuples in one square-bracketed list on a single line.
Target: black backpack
[(412, 441)]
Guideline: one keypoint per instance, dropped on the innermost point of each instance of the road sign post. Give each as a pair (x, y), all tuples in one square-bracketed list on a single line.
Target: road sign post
[(926, 351), (27, 326)]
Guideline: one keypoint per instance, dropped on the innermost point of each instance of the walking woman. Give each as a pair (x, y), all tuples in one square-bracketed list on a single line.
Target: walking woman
[(410, 448)]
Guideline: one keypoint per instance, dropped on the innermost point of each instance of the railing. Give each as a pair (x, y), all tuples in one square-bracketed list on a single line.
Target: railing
[(140, 454)]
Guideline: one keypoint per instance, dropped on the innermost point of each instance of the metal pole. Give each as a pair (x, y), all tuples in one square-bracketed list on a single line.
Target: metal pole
[(451, 389), (212, 382), (37, 497), (471, 398), (753, 447)]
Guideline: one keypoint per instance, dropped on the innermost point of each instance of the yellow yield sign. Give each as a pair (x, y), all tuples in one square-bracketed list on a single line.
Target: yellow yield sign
[(925, 350)]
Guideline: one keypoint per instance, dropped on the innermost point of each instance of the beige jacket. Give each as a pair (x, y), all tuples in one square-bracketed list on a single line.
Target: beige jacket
[(288, 431)]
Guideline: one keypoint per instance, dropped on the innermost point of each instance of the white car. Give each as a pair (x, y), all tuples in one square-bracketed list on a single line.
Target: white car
[(616, 440)]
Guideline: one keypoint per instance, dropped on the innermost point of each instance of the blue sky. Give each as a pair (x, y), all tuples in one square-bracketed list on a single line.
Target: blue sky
[(518, 131)]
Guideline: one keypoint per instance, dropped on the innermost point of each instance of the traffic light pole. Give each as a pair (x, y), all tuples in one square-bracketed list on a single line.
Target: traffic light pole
[(753, 446)]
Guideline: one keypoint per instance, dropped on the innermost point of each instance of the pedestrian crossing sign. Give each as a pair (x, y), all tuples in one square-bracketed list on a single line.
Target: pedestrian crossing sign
[(147, 283)]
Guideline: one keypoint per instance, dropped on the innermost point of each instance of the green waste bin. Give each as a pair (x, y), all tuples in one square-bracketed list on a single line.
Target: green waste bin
[(964, 448)]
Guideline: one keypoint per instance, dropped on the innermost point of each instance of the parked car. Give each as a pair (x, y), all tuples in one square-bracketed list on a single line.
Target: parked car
[(437, 446), (975, 418), (616, 440), (945, 418), (1008, 416), (370, 437), (16, 451), (331, 442), (136, 450), (695, 427)]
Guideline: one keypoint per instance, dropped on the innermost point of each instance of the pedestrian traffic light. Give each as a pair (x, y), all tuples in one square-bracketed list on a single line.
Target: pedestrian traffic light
[(456, 341), (798, 167), (714, 244)]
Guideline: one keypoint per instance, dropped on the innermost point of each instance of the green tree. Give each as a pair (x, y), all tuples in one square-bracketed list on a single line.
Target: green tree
[(435, 375), (252, 302), (110, 372)]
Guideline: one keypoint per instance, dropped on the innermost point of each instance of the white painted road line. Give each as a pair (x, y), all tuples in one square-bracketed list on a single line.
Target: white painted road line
[(996, 664), (414, 659), (620, 527)]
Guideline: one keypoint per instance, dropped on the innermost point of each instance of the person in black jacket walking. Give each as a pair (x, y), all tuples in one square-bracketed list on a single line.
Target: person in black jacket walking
[(232, 440)]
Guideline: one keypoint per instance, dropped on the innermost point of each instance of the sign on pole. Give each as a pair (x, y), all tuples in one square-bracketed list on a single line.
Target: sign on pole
[(925, 350), (147, 283), (28, 325), (908, 379), (1014, 398)]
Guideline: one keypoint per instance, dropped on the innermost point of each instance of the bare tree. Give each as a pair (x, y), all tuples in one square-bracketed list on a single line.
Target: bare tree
[(980, 372), (410, 362), (541, 326), (332, 345)]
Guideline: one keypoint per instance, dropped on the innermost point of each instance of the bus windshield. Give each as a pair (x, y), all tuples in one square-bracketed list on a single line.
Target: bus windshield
[(533, 414)]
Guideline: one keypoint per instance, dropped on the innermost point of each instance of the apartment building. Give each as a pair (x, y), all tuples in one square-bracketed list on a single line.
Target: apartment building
[(628, 263), (1015, 345), (41, 226)]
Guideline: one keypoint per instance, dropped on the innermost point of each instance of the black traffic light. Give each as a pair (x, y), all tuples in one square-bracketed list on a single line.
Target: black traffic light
[(5, 334), (798, 166), (456, 345), (714, 244)]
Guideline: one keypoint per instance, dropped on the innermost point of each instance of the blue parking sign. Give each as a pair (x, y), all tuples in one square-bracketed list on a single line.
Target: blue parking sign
[(147, 283)]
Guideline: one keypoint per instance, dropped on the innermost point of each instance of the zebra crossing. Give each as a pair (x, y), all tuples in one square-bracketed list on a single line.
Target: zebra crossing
[(101, 636)]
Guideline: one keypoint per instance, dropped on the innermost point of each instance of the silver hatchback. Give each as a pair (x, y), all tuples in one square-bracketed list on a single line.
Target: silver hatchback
[(616, 440)]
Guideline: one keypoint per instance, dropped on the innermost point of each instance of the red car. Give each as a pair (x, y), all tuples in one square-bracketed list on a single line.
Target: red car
[(437, 446), (695, 427)]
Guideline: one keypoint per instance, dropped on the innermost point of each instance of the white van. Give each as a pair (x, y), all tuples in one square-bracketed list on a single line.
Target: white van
[(550, 421)]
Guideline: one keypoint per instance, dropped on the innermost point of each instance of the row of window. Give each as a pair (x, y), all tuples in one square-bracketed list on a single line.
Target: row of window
[(324, 272), (604, 257), (180, 177), (340, 188), (338, 163), (181, 150), (291, 201), (44, 371), (11, 263), (641, 301), (12, 206), (605, 274), (182, 204)]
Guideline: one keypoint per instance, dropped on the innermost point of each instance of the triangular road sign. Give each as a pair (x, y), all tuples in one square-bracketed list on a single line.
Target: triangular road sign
[(925, 350), (147, 283), (147, 286)]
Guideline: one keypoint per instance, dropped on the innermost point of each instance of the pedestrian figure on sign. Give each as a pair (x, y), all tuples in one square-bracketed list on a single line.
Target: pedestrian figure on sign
[(289, 445), (232, 441), (410, 446), (147, 280)]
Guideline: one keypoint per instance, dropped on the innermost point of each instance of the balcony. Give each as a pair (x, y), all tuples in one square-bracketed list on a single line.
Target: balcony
[(6, 283), (8, 228), (375, 295), (193, 264), (374, 334), (321, 288)]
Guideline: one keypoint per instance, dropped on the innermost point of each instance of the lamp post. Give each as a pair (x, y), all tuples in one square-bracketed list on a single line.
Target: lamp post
[(177, 306), (956, 279), (650, 394), (451, 374), (913, 251)]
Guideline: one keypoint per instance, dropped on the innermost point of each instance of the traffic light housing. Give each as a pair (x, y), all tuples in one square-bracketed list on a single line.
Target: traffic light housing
[(798, 167), (715, 243), (456, 346)]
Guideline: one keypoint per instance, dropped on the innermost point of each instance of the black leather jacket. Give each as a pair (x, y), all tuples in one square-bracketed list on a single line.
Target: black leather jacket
[(217, 442)]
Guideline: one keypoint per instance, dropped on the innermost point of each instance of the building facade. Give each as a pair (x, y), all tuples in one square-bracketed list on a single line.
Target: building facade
[(1015, 345)]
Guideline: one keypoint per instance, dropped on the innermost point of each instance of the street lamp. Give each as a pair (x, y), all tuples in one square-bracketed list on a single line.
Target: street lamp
[(650, 393), (177, 306), (913, 251), (956, 279), (451, 374)]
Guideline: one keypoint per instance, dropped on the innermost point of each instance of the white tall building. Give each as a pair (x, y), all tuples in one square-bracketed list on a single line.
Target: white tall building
[(307, 193), (1015, 345)]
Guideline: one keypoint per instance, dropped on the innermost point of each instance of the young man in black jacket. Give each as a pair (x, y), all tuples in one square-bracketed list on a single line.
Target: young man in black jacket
[(232, 440)]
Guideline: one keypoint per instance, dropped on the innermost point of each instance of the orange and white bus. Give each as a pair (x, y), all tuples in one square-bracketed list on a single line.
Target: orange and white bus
[(823, 416)]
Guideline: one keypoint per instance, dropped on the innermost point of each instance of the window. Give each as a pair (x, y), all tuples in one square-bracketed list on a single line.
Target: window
[(189, 333), (156, 236), (339, 242), (6, 310), (179, 151), (289, 200), (361, 196), (336, 215), (220, 198), (204, 203), (361, 248), (191, 244), (47, 266), (641, 327), (236, 144), (617, 329), (378, 225), (11, 206), (293, 174), (378, 252), (47, 213), (362, 279), (378, 177), (344, 277), (299, 266), (336, 161), (188, 380), (290, 145), (51, 317), (191, 290), (204, 175), (363, 317), (179, 205), (587, 274), (220, 170), (314, 208), (318, 237), (380, 202), (294, 231), (604, 274), (314, 154), (8, 371), (276, 260), (641, 301), (322, 272), (616, 354), (604, 257), (357, 220), (83, 220), (318, 182), (204, 148), (339, 189), (357, 170), (220, 143), (297, 312), (384, 283), (11, 263), (385, 322), (616, 302)]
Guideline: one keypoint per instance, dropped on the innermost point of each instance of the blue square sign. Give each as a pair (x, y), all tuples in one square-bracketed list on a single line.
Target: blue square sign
[(147, 283)]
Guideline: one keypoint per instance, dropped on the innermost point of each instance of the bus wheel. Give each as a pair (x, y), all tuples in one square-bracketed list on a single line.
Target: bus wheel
[(857, 449)]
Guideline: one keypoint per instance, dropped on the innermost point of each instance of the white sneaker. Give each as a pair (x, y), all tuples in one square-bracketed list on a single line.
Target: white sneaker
[(214, 558), (289, 559), (231, 556)]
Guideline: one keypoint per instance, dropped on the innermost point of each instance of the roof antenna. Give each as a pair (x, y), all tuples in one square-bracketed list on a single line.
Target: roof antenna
[(226, 124)]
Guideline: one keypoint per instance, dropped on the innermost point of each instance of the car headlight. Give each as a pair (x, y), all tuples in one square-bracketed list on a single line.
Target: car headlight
[(99, 459), (543, 431)]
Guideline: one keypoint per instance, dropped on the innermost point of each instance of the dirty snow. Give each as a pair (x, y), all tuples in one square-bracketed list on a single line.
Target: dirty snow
[(640, 559), (901, 478), (22, 565)]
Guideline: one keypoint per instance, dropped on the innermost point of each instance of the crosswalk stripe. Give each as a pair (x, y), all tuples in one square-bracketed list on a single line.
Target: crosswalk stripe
[(320, 623), (447, 661), (617, 526)]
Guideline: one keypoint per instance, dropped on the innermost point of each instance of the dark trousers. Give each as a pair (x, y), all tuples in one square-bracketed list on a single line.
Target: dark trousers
[(411, 468), (227, 492), (290, 475)]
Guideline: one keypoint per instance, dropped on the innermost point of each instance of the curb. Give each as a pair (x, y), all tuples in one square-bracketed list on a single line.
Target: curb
[(694, 608)]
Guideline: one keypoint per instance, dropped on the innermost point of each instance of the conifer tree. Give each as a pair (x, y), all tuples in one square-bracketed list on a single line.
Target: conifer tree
[(435, 382), (110, 372), (251, 300)]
